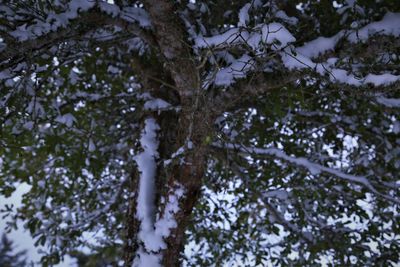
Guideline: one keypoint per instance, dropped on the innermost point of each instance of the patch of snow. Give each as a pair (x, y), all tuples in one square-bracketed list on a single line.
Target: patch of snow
[(92, 146), (167, 222), (389, 25), (342, 76), (389, 102), (238, 69), (277, 32), (299, 61), (144, 259), (280, 194), (67, 119), (28, 125), (135, 14), (381, 79), (110, 9), (52, 22), (152, 233), (156, 104), (244, 15), (314, 168), (319, 46), (282, 15), (229, 37), (147, 166)]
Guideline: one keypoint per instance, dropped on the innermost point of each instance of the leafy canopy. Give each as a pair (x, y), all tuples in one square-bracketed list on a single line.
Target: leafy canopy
[(304, 156)]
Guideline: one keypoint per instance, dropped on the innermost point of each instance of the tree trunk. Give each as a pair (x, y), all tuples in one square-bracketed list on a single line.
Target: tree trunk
[(188, 171), (184, 131), (191, 178), (132, 223)]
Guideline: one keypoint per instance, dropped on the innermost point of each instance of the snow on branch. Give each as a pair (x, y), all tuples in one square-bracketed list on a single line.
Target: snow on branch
[(55, 21), (280, 40), (302, 57), (312, 167), (147, 166), (153, 239), (152, 232), (43, 33), (389, 25), (389, 102), (167, 222)]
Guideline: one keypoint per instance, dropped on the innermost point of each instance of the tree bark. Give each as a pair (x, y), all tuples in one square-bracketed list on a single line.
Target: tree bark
[(132, 223), (187, 129), (188, 172)]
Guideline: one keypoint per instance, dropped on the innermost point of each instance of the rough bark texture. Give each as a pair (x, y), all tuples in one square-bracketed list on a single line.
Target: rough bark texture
[(190, 175), (132, 224), (172, 40), (178, 129)]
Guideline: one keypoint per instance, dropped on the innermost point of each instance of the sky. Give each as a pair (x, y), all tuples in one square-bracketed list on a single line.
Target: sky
[(21, 237)]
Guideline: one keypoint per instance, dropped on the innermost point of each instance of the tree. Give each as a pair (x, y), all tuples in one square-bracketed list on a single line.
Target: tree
[(7, 257), (248, 132)]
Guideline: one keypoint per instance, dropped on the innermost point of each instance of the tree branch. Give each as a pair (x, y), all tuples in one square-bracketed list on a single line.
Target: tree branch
[(87, 22), (171, 39), (313, 167), (245, 91)]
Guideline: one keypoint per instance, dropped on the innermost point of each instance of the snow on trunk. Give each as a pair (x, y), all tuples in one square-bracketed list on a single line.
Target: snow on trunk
[(152, 233)]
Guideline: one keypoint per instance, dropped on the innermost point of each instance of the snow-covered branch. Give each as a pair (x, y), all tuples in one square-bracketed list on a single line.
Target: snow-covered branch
[(312, 167), (72, 25), (153, 231), (281, 41), (388, 102)]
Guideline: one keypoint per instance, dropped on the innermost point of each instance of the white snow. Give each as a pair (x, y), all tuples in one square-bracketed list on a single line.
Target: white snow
[(236, 70), (92, 146), (300, 61), (28, 125), (282, 15), (167, 222), (389, 102), (381, 79), (146, 162), (319, 46), (152, 232), (279, 193), (135, 14), (244, 15), (342, 76), (277, 32), (272, 33), (110, 9), (53, 21), (67, 119), (156, 104), (228, 37), (389, 25), (145, 259), (314, 168)]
